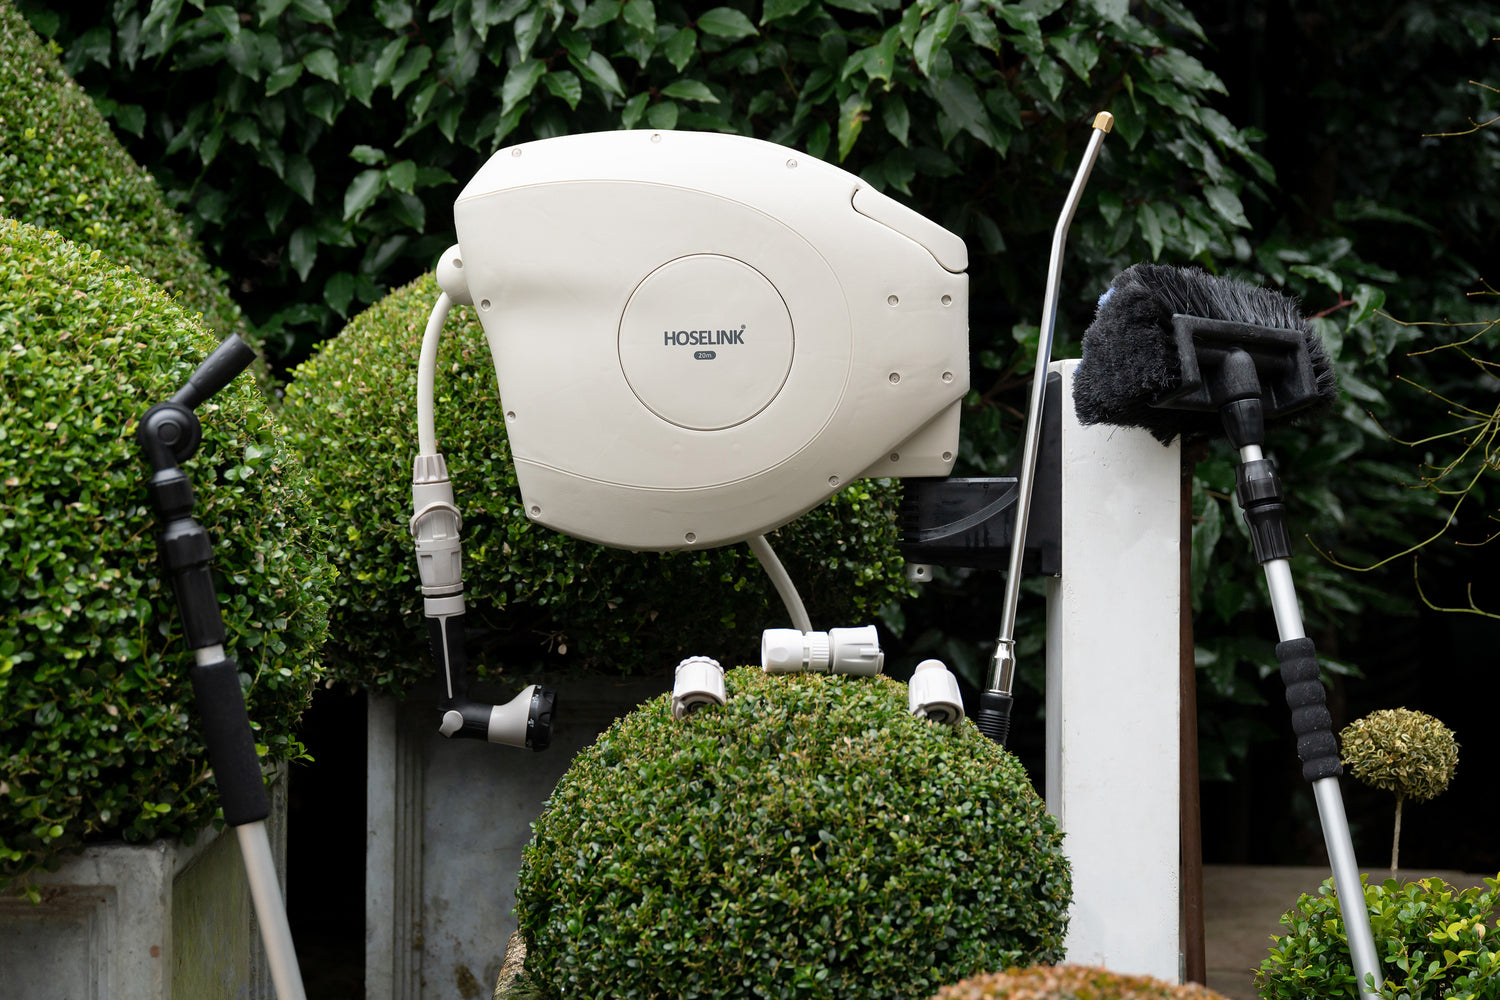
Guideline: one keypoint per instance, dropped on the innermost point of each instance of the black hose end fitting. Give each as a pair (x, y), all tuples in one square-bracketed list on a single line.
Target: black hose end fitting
[(993, 717)]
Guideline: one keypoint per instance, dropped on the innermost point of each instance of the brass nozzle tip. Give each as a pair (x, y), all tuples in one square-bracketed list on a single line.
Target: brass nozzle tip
[(1104, 121)]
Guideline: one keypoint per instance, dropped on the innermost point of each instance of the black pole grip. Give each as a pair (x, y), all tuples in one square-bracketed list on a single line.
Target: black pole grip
[(231, 357), (993, 717), (1316, 746), (230, 741)]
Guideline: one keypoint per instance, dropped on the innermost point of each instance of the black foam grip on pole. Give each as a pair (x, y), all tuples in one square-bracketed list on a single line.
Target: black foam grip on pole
[(231, 357), (993, 717), (1316, 746), (230, 741)]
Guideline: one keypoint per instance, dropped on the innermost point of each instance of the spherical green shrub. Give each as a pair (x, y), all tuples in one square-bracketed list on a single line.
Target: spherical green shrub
[(1433, 942), (1070, 982), (62, 168), (536, 594), (98, 734), (1410, 754), (808, 839)]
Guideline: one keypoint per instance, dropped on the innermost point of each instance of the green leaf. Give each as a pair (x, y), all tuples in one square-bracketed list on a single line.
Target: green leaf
[(402, 176), (321, 62), (300, 176), (961, 103), (690, 90), (282, 78), (663, 115), (520, 81), (680, 48), (725, 22), (302, 251), (775, 10), (368, 155), (1225, 202), (1185, 70), (362, 191), (566, 85), (641, 15), (981, 29), (1367, 299), (1050, 73), (933, 36), (1150, 227), (338, 292), (1321, 275), (852, 115), (316, 11), (385, 63), (270, 10), (895, 117), (634, 108), (413, 65), (598, 14), (597, 70)]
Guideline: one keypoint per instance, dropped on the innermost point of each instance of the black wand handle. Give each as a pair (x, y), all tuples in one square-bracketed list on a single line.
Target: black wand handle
[(1316, 746), (169, 434)]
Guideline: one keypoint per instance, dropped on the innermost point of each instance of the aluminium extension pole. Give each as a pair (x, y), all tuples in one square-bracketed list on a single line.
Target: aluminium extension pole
[(1300, 671), (993, 717)]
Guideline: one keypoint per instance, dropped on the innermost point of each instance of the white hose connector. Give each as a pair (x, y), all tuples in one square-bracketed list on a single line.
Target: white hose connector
[(699, 682), (933, 693), (837, 651), (436, 525), (451, 277)]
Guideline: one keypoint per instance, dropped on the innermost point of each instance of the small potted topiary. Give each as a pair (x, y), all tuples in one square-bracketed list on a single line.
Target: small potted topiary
[(1410, 754), (1433, 942), (1070, 982), (809, 838), (99, 741)]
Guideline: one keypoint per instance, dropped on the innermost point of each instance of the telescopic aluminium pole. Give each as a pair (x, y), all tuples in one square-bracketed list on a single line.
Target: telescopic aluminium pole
[(169, 434), (993, 717)]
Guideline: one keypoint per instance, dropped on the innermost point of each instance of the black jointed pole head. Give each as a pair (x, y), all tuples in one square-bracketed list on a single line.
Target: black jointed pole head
[(1167, 349)]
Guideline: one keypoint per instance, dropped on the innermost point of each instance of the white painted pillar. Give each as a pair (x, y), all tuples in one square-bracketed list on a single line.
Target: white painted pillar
[(1112, 694)]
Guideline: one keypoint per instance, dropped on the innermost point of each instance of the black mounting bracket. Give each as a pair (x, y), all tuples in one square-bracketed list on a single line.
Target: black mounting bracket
[(972, 522)]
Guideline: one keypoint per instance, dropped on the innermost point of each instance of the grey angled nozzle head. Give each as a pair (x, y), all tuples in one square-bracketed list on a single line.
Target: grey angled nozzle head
[(1150, 356)]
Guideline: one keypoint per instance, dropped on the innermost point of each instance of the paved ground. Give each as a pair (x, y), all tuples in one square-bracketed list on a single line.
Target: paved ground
[(1242, 907)]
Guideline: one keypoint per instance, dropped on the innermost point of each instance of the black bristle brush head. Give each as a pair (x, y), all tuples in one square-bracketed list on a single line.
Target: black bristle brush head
[(1142, 368)]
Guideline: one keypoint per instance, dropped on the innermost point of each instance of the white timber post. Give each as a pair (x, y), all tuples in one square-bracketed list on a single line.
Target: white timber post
[(1112, 694)]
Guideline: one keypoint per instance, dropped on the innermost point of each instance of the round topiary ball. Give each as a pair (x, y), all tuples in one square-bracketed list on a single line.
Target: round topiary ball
[(1408, 753), (1070, 982), (535, 597), (808, 839), (98, 732)]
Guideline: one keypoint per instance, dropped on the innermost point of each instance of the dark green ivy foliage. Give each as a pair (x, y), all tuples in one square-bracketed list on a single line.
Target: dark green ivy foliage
[(808, 839), (98, 734), (531, 592)]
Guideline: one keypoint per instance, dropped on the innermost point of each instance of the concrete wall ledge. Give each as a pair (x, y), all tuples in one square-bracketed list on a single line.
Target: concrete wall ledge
[(158, 921)]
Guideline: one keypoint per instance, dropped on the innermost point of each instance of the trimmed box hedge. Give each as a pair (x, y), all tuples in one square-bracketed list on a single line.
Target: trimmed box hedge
[(62, 168), (535, 597), (1070, 982), (98, 734), (808, 839)]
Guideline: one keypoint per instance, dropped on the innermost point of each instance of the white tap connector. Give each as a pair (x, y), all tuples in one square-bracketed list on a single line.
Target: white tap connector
[(837, 651), (699, 682), (933, 693)]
